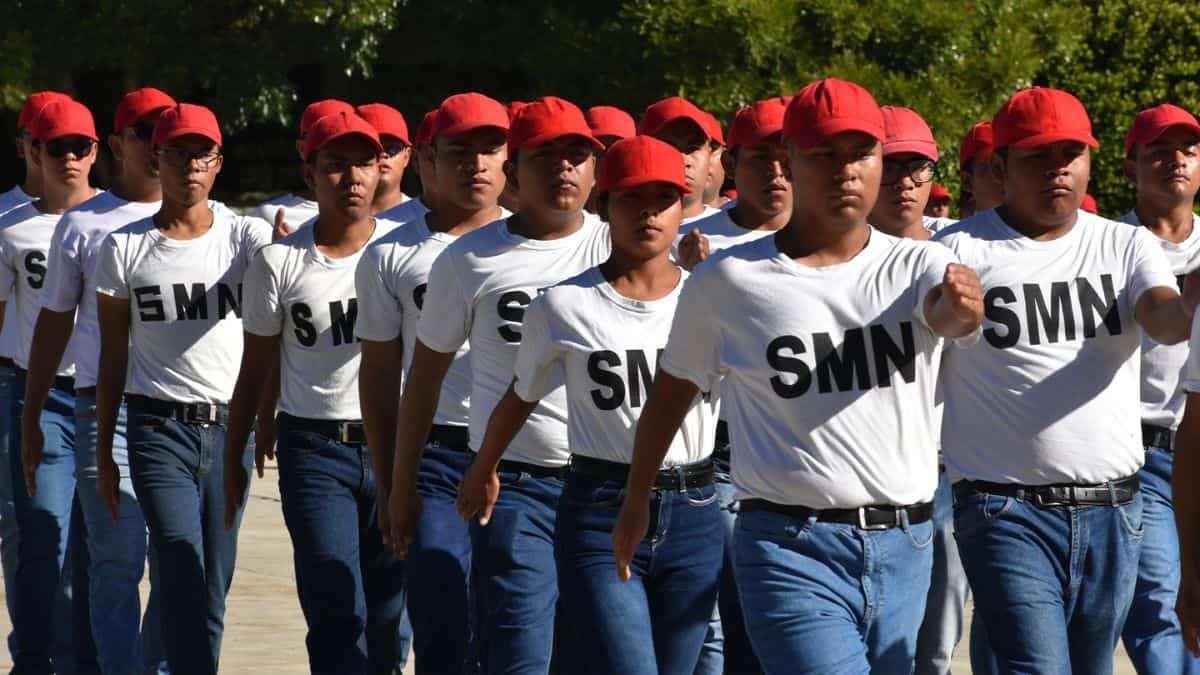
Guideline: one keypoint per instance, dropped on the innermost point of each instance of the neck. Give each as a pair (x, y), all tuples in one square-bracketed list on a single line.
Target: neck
[(189, 219), (138, 189), (1034, 230), (457, 221), (1172, 222), (906, 230), (694, 209), (641, 278), (386, 199), (751, 219), (546, 224), (821, 245), (57, 199), (33, 183), (337, 236)]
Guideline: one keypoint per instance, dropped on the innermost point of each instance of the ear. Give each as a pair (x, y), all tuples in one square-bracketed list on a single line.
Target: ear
[(999, 168), (309, 180), (728, 162), (1129, 169), (114, 146), (510, 174), (216, 168), (602, 207), (966, 179), (37, 155), (300, 149), (20, 147)]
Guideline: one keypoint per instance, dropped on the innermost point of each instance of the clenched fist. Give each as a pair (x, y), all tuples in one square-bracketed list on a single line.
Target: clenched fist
[(955, 308)]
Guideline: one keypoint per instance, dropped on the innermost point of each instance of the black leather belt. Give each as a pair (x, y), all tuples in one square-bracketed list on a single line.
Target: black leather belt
[(449, 436), (61, 382), (697, 474), (5, 361), (1158, 437), (535, 470), (1118, 492), (880, 517), (216, 414), (346, 432)]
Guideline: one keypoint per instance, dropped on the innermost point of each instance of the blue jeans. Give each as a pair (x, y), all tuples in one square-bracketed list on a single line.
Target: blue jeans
[(1151, 633), (944, 609), (517, 576), (438, 566), (830, 598), (8, 512), (177, 471), (1052, 584), (656, 622), (351, 586), (118, 553)]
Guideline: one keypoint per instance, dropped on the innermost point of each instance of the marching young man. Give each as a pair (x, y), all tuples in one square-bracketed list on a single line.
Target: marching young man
[(397, 151), (479, 289), (391, 281), (975, 170), (67, 325), (1163, 162), (909, 166), (835, 488), (690, 131), (410, 209), (1041, 415), (598, 335)]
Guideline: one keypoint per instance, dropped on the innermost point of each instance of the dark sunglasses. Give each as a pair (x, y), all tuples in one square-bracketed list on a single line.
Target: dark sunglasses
[(393, 149), (80, 147)]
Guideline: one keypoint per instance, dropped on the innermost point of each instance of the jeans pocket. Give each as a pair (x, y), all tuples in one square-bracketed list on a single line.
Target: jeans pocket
[(1131, 518), (975, 511), (145, 422), (770, 525), (583, 493), (921, 534), (702, 496)]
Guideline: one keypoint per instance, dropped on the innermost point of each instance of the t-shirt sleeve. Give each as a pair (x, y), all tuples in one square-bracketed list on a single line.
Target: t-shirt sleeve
[(1150, 266), (380, 312), (256, 234), (539, 358), (64, 276), (1190, 379), (445, 321), (263, 312), (693, 350), (111, 277)]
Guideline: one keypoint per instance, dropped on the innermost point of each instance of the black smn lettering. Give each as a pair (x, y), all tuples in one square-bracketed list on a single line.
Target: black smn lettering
[(229, 300), (35, 264), (1091, 304), (341, 321), (640, 376), (511, 307), (781, 357), (1040, 317), (598, 369), (190, 306), (306, 333), (842, 371), (419, 296), (889, 355), (150, 304), (1001, 315)]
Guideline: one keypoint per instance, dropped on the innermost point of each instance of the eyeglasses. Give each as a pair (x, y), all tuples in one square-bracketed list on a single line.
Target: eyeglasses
[(393, 149), (921, 171), (180, 157), (143, 131), (59, 147)]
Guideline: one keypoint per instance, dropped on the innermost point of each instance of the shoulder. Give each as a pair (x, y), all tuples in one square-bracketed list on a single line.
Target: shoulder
[(486, 240), (570, 292)]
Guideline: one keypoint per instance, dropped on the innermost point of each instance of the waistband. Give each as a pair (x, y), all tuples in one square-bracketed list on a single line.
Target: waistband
[(450, 437), (5, 361), (696, 474), (1113, 493), (346, 432), (61, 382), (535, 470), (876, 517), (1158, 437), (214, 414)]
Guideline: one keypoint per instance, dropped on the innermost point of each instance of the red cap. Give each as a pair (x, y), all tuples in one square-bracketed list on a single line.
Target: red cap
[(63, 118), (668, 110), (546, 119), (137, 104), (331, 127), (606, 120), (1040, 116), (1089, 204), (639, 160), (977, 144), (938, 193), (1152, 123), (425, 130), (905, 131), (184, 119), (714, 128), (757, 121), (385, 119), (319, 109), (466, 112), (35, 103), (513, 109), (829, 107)]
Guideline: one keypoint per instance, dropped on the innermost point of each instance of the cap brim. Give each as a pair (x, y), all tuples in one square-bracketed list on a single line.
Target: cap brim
[(600, 132), (189, 131), (694, 120), (1194, 128), (822, 132), (757, 136), (631, 182), (542, 139), (63, 133), (349, 132), (922, 148), (464, 127), (1038, 140)]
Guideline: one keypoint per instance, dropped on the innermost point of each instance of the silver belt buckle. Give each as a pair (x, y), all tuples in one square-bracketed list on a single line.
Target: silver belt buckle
[(863, 525), (212, 413), (344, 433)]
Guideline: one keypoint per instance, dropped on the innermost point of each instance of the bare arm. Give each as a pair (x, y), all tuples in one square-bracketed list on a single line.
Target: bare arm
[(50, 337), (379, 377), (257, 378), (481, 486), (954, 308), (113, 315), (1185, 473), (1165, 315)]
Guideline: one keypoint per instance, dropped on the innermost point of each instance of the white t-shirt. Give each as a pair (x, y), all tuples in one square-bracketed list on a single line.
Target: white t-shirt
[(391, 280), (71, 279), (829, 372), (721, 232), (936, 225), (297, 211), (185, 304), (295, 291), (405, 211), (479, 290), (1050, 392), (8, 333), (25, 235), (708, 212), (604, 347), (1162, 365)]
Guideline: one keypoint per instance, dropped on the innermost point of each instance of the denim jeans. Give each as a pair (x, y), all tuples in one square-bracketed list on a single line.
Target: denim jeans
[(177, 469), (8, 513), (944, 609), (1052, 584), (518, 580), (830, 598), (1151, 633), (656, 622), (438, 566), (118, 553), (351, 586)]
